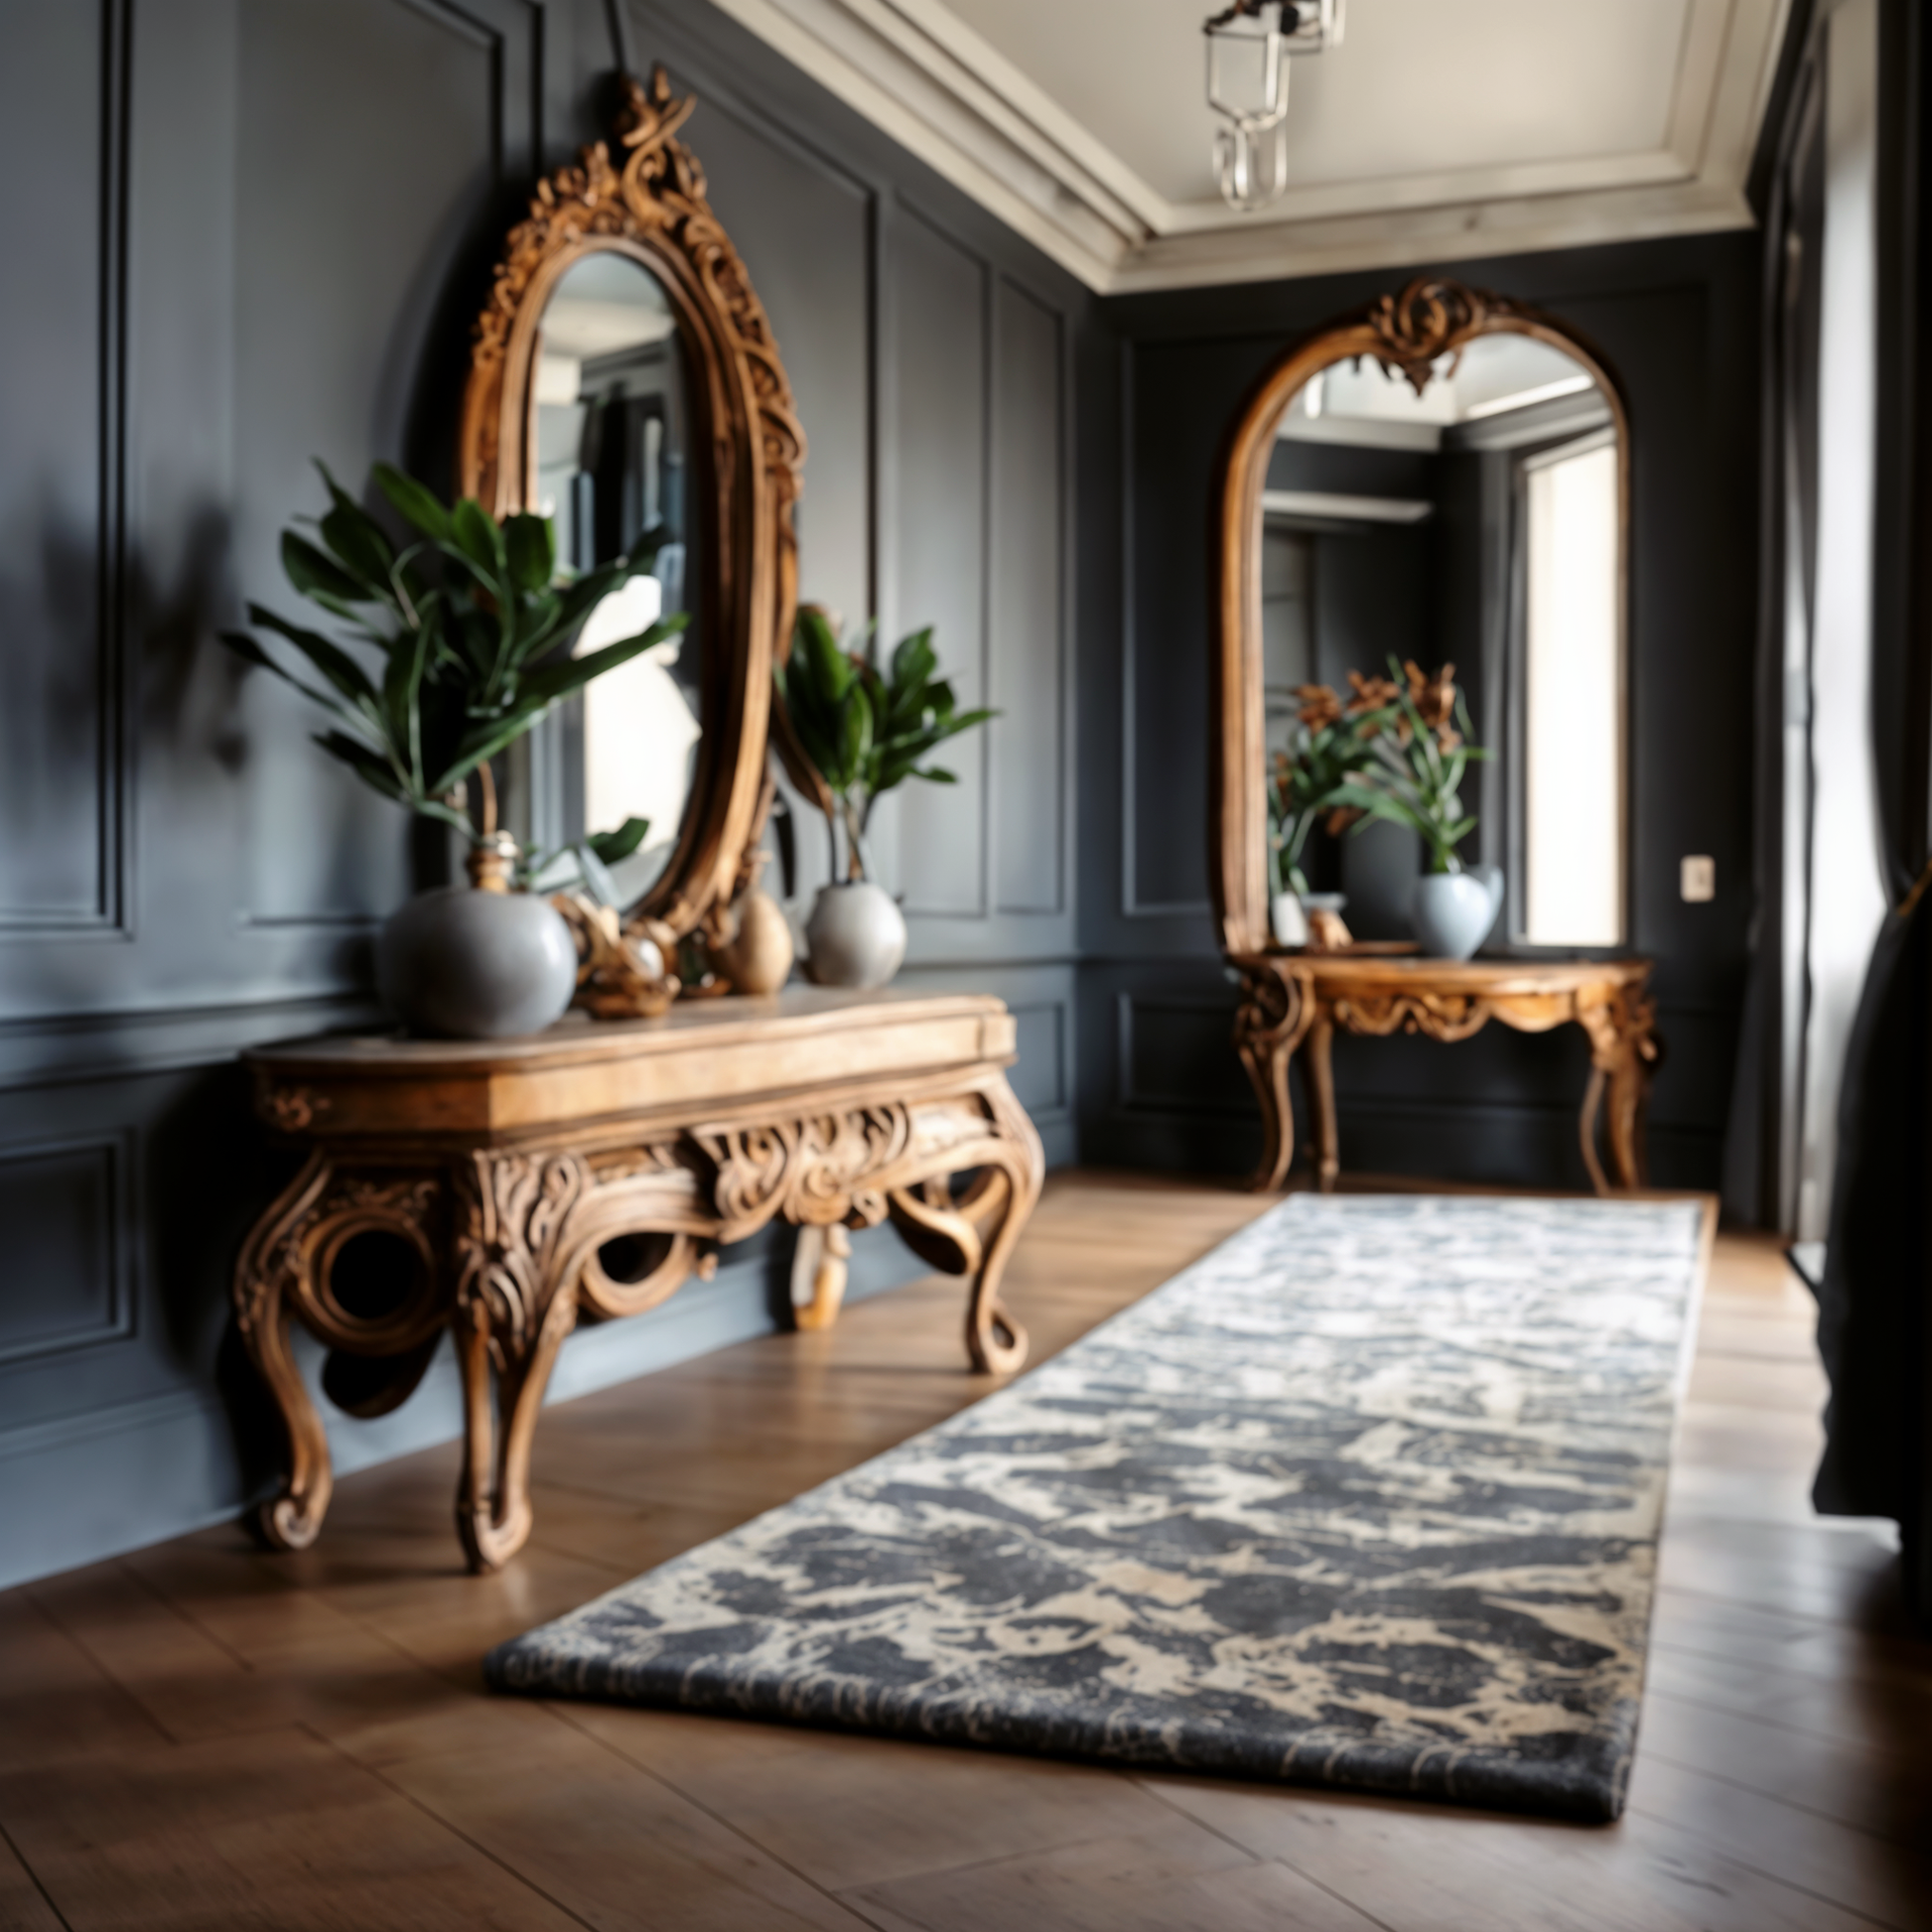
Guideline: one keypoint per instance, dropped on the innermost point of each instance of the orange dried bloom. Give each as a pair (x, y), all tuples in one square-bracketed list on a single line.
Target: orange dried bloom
[(1320, 705), (1434, 698), (1371, 693)]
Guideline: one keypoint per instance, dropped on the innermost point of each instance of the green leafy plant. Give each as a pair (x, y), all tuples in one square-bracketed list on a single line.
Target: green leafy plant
[(1421, 755), (867, 729), (457, 642), (1332, 745)]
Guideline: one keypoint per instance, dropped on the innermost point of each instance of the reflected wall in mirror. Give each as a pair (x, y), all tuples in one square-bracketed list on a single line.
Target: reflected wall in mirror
[(1439, 480), (625, 382), (611, 460)]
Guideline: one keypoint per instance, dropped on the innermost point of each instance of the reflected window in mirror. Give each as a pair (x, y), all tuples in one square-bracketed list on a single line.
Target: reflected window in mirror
[(1287, 628), (1570, 694), (611, 468), (1478, 522)]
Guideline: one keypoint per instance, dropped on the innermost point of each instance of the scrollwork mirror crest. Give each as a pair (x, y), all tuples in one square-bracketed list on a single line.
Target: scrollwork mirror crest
[(645, 205), (1419, 338)]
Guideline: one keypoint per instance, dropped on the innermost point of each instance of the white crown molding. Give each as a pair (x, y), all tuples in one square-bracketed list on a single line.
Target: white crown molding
[(922, 76)]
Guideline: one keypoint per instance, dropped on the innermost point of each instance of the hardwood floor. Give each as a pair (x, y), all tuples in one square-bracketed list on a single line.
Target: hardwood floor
[(203, 1736)]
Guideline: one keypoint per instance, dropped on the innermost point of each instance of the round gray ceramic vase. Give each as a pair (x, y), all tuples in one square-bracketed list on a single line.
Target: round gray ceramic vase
[(1452, 911), (462, 963), (856, 935)]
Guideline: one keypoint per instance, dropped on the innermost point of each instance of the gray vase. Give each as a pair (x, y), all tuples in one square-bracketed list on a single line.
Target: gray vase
[(1452, 911), (856, 935), (462, 964)]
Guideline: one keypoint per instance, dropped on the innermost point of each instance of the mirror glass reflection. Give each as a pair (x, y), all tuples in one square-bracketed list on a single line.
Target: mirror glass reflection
[(1477, 523), (612, 401)]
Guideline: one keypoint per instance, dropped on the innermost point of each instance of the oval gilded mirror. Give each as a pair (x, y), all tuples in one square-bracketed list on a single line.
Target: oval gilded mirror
[(1429, 492), (625, 384)]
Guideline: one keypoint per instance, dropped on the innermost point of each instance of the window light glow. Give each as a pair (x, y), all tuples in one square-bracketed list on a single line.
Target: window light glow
[(1571, 701)]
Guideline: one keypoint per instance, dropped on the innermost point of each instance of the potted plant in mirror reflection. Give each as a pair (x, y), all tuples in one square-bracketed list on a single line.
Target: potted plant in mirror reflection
[(866, 728), (1332, 744), (455, 642), (1420, 752)]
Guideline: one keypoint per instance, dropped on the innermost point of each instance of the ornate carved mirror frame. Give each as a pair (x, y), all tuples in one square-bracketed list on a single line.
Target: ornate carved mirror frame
[(1406, 333), (747, 440)]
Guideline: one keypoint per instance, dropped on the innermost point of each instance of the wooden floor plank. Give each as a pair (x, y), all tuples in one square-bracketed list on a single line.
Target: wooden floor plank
[(1814, 1854), (55, 1702), (859, 1812), (23, 1904), (1430, 1869), (616, 1846), (1869, 1784), (205, 1734), (275, 1829), (1170, 1873)]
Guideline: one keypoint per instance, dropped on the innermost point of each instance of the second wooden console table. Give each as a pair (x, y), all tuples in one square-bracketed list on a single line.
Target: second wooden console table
[(506, 1189), (1292, 998)]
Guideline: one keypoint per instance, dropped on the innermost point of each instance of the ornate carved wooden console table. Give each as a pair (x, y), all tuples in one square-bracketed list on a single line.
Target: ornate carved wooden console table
[(507, 1189), (1292, 998)]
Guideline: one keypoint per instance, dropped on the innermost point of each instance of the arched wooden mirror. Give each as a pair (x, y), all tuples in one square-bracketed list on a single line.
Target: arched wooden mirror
[(1441, 475), (625, 382)]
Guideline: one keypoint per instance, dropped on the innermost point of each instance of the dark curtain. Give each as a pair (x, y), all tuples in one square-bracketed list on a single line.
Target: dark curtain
[(1873, 1329)]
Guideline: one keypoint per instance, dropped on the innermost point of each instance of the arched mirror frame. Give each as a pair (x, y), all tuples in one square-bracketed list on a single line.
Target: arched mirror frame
[(1407, 333), (747, 442)]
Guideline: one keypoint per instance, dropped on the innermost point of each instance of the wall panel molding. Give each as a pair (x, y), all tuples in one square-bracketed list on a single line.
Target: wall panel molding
[(108, 893), (68, 1204), (1131, 905), (119, 1046)]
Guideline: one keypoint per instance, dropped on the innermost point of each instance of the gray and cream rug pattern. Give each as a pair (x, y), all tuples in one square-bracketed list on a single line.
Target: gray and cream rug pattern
[(1367, 1498)]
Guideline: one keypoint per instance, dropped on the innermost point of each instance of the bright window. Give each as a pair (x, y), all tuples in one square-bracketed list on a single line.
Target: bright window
[(1571, 700)]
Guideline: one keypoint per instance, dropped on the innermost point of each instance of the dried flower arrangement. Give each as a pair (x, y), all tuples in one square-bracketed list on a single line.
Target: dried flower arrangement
[(1396, 749)]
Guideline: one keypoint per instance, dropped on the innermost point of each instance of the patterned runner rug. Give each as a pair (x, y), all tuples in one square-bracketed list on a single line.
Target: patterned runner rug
[(1367, 1498)]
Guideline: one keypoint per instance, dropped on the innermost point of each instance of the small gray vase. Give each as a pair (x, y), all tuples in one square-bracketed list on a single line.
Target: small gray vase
[(856, 935), (461, 963), (1452, 911)]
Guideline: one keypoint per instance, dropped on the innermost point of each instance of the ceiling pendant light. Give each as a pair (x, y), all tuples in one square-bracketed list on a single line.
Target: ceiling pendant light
[(1248, 42)]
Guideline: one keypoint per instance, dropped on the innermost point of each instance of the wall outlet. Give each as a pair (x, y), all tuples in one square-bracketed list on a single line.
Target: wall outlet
[(1698, 879)]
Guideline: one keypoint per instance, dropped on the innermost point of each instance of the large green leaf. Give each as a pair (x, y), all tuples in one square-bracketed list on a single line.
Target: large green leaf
[(245, 647), (368, 763), (334, 664), (614, 847), (359, 542), (530, 543), (401, 692), (549, 682), (317, 575), (829, 669), (913, 660), (855, 734), (414, 502), (478, 538)]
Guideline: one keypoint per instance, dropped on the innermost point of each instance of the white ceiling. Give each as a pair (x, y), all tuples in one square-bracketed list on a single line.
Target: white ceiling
[(1438, 129)]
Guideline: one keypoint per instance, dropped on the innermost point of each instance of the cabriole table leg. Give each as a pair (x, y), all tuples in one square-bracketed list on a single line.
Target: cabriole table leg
[(1269, 1026), (274, 1252), (512, 1313)]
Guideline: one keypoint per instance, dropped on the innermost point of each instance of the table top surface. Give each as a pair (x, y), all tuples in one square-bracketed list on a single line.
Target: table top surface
[(796, 1012), (1408, 971)]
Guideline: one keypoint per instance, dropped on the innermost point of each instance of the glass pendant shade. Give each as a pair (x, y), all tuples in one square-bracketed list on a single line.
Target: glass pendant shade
[(1248, 46)]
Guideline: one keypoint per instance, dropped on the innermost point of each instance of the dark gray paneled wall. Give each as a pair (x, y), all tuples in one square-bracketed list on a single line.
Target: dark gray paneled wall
[(1159, 1086), (274, 219)]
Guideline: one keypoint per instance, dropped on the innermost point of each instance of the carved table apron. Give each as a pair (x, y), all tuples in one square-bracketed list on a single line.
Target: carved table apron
[(508, 1170), (1293, 999)]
